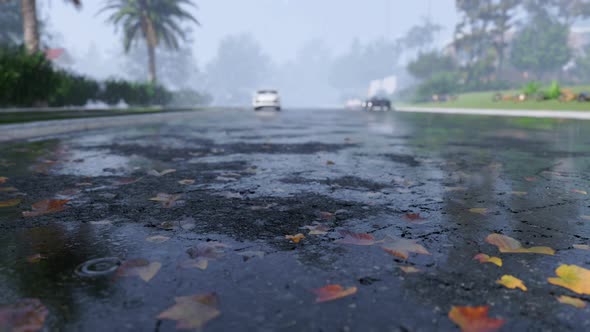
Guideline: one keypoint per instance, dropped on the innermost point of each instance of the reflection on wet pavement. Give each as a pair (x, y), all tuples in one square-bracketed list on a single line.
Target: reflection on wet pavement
[(242, 181)]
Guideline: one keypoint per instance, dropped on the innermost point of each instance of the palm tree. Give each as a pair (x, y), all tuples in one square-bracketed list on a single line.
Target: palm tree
[(31, 23), (150, 20)]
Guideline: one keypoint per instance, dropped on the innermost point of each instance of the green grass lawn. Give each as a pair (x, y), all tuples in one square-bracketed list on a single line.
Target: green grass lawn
[(485, 100)]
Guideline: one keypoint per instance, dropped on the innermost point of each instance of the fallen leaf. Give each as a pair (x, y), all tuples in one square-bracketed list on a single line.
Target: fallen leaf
[(8, 189), (483, 258), (317, 229), (530, 178), (582, 246), (409, 269), (481, 211), (124, 181), (200, 263), (519, 193), (157, 239), (167, 200), (295, 238), (139, 268), (581, 192), (27, 315), (332, 292), (225, 179), (153, 172), (356, 239), (192, 312), (572, 277), (46, 206), (83, 184), (186, 182), (509, 245), (414, 217), (402, 247), (326, 215), (512, 283), (10, 203), (3, 179), (475, 319), (36, 258), (572, 301)]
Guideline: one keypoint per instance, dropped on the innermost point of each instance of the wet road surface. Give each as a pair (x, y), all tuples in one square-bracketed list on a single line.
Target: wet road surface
[(445, 182)]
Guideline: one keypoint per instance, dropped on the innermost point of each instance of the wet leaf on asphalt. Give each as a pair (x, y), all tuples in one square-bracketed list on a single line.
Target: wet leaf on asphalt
[(186, 182), (575, 302), (483, 258), (511, 282), (153, 172), (330, 163), (36, 258), (141, 268), (317, 229), (332, 292), (10, 203), (572, 277), (192, 312), (27, 315), (481, 211), (295, 238), (327, 215), (167, 200), (509, 245), (475, 319), (519, 193), (3, 179), (199, 263), (46, 206), (582, 246), (8, 189), (402, 247), (410, 269), (157, 239), (414, 218), (581, 192), (124, 181), (357, 239)]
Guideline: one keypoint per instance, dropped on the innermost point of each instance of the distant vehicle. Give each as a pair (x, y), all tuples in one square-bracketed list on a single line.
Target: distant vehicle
[(354, 104), (377, 104), (266, 99)]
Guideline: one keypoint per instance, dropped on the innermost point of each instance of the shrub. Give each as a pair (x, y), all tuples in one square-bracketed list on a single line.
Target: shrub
[(439, 84), (531, 88), (73, 90), (554, 91)]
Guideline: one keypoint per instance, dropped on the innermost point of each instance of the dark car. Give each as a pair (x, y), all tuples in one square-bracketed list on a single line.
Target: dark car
[(376, 103)]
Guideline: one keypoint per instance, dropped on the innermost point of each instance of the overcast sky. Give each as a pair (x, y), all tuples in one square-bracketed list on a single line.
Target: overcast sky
[(281, 26)]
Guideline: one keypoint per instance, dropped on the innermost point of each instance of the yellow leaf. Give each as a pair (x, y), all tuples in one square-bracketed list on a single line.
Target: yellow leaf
[(512, 283), (402, 247), (157, 239), (192, 312), (481, 211), (582, 246), (333, 292), (483, 258), (581, 192), (295, 238), (572, 301), (409, 269), (509, 245), (10, 203), (572, 277)]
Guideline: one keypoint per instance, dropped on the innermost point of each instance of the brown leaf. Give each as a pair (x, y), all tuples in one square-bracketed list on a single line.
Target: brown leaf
[(139, 268), (507, 244), (192, 312), (167, 200), (295, 238), (27, 315), (46, 206), (402, 247), (356, 239), (332, 292), (10, 203), (475, 319)]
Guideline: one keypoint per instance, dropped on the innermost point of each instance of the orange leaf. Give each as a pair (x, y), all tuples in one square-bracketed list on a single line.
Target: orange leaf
[(46, 206), (483, 258), (140, 268), (356, 239), (402, 247), (572, 277), (10, 202), (295, 238), (332, 292), (192, 312), (3, 179), (475, 319), (414, 217), (28, 315), (572, 301), (509, 245), (512, 283)]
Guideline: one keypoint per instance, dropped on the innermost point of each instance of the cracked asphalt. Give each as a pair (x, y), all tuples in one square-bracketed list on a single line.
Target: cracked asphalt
[(261, 176)]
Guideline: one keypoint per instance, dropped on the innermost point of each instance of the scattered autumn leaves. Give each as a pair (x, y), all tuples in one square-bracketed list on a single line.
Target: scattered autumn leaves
[(475, 319)]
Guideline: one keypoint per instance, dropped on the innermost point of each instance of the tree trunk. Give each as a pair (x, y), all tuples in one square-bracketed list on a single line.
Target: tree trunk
[(30, 27), (152, 63)]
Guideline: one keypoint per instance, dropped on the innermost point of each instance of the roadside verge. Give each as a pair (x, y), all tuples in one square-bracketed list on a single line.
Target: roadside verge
[(578, 115)]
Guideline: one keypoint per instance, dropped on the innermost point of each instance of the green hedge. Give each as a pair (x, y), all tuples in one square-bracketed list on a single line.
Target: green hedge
[(30, 80)]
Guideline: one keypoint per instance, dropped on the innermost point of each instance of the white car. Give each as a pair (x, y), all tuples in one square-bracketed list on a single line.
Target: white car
[(266, 98)]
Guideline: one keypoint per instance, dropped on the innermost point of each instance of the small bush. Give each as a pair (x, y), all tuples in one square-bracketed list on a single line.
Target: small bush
[(554, 91), (439, 84), (531, 88)]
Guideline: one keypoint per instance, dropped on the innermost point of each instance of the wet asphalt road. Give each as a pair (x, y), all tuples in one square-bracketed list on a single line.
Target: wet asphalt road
[(261, 176)]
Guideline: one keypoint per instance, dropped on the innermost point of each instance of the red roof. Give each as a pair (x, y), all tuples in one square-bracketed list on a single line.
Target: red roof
[(54, 53)]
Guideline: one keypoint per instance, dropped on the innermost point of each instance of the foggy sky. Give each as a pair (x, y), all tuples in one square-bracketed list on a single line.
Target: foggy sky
[(281, 26)]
